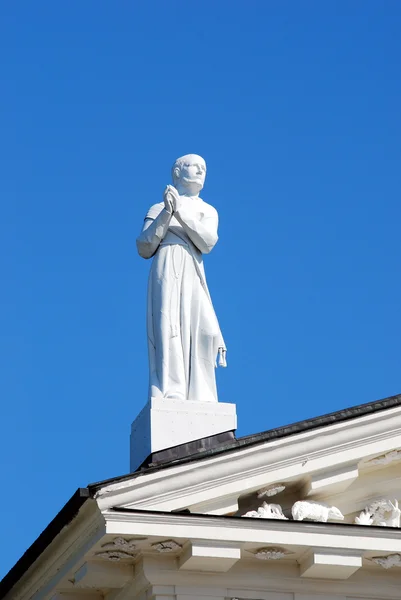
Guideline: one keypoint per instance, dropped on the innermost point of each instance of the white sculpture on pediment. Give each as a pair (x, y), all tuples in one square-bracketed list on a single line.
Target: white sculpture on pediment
[(315, 511), (365, 518), (395, 515), (383, 513), (267, 511), (184, 336)]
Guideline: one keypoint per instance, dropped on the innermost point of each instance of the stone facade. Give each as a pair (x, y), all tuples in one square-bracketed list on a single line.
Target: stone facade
[(226, 524)]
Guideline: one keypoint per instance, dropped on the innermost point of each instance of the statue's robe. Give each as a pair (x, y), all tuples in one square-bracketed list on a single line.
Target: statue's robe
[(184, 336)]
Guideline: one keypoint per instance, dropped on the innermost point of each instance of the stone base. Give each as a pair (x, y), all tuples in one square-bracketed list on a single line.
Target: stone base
[(163, 424)]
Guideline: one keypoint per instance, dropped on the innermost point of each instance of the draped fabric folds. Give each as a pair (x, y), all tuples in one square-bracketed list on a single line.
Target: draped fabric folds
[(184, 336)]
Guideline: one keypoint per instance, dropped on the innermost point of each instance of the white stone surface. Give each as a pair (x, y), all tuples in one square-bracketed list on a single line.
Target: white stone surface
[(217, 506), (330, 565), (103, 575), (165, 423), (202, 556), (184, 336), (331, 481)]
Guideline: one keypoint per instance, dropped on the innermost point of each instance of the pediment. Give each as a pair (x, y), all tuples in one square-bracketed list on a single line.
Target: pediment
[(348, 465), (246, 512)]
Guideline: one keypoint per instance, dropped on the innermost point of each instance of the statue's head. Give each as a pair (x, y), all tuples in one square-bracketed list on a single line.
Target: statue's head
[(189, 174)]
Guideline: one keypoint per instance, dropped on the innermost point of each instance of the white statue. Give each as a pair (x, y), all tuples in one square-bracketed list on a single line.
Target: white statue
[(184, 336), (267, 511), (365, 518), (394, 519), (315, 511), (384, 513)]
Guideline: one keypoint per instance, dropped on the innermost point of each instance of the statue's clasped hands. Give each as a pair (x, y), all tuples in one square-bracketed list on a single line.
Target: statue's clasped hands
[(171, 199)]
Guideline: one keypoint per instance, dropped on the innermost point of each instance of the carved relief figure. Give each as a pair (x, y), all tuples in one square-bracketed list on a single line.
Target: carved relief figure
[(184, 336), (267, 511), (384, 513), (315, 511)]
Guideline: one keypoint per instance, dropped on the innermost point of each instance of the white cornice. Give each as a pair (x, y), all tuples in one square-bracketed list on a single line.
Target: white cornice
[(250, 468), (263, 531)]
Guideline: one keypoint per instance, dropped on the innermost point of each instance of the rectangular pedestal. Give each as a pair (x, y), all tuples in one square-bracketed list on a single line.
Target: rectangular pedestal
[(163, 424)]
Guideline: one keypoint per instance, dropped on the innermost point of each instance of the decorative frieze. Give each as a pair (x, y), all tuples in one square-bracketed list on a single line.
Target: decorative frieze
[(303, 509)]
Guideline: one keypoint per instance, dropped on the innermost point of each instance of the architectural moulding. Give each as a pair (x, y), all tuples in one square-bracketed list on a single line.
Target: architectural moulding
[(210, 544), (300, 456), (228, 530), (385, 459), (157, 553)]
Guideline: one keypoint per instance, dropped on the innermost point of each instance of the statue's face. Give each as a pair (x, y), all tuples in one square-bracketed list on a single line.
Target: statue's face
[(193, 172)]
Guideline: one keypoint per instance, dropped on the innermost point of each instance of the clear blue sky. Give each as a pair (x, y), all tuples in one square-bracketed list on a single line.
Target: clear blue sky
[(296, 108)]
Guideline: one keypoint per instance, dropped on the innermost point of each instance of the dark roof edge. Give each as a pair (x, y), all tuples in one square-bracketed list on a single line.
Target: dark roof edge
[(65, 516), (339, 416)]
